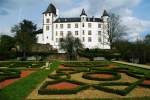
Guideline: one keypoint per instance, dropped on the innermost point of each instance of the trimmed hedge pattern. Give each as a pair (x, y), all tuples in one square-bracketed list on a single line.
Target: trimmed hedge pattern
[(115, 75), (44, 91), (123, 92)]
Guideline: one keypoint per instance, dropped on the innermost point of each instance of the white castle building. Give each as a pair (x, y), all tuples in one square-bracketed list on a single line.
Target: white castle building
[(90, 30)]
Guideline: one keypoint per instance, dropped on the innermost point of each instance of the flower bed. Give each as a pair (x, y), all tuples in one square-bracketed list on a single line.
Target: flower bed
[(61, 87), (14, 77), (146, 82), (105, 76), (102, 75)]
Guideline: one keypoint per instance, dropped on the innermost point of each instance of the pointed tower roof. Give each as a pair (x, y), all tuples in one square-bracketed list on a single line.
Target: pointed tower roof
[(51, 9), (83, 13), (105, 13)]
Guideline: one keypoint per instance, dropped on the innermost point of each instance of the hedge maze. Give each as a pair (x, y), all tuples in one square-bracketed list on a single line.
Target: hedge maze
[(96, 71)]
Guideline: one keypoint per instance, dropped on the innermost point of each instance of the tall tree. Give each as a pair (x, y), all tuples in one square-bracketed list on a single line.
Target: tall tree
[(147, 39), (116, 28), (25, 35), (70, 45), (6, 43)]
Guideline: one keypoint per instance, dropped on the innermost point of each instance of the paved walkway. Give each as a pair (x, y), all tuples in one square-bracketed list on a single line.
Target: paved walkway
[(132, 64)]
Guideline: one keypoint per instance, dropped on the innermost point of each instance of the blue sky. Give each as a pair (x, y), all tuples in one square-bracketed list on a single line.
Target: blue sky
[(134, 13)]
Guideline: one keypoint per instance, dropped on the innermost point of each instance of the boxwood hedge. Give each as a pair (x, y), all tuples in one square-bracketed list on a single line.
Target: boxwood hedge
[(44, 91), (115, 75)]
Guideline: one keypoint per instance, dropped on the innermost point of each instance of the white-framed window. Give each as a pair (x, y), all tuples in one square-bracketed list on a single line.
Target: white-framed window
[(69, 25), (89, 25), (69, 32), (56, 33), (89, 39), (83, 25), (99, 33), (61, 33), (76, 25), (47, 20), (47, 28), (99, 26), (83, 32), (56, 25), (61, 26), (76, 32), (89, 32), (99, 39), (57, 39), (83, 39)]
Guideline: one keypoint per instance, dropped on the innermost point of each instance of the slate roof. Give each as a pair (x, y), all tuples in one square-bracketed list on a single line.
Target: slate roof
[(105, 13), (83, 13), (51, 9), (65, 20)]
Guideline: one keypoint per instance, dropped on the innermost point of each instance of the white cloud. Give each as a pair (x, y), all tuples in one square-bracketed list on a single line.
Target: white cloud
[(135, 26), (72, 8)]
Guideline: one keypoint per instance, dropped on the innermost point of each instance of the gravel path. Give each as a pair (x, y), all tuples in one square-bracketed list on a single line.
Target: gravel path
[(132, 64)]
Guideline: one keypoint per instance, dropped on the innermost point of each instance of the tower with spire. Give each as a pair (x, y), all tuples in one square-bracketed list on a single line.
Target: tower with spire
[(49, 16), (83, 16)]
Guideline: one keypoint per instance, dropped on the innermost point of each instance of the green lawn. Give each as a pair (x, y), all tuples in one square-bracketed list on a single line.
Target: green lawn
[(21, 88)]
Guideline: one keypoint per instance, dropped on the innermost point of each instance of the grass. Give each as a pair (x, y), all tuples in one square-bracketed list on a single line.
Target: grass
[(21, 89)]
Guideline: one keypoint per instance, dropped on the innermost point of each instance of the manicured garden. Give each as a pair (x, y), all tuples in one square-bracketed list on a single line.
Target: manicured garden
[(94, 80), (76, 80), (20, 89)]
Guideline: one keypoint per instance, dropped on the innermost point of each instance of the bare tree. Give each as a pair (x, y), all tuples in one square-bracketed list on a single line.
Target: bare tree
[(115, 29), (70, 45)]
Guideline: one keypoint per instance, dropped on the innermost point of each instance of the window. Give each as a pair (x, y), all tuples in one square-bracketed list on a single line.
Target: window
[(57, 39), (76, 32), (47, 28), (45, 14), (56, 25), (69, 32), (89, 25), (49, 14), (61, 25), (99, 39), (76, 25), (83, 32), (99, 25), (69, 25), (47, 20), (61, 33), (82, 24), (89, 39), (56, 33), (99, 33), (89, 32), (47, 37), (83, 39)]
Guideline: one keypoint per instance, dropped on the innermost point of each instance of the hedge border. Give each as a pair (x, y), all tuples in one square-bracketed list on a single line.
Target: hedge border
[(116, 76), (123, 92), (44, 91), (9, 74)]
